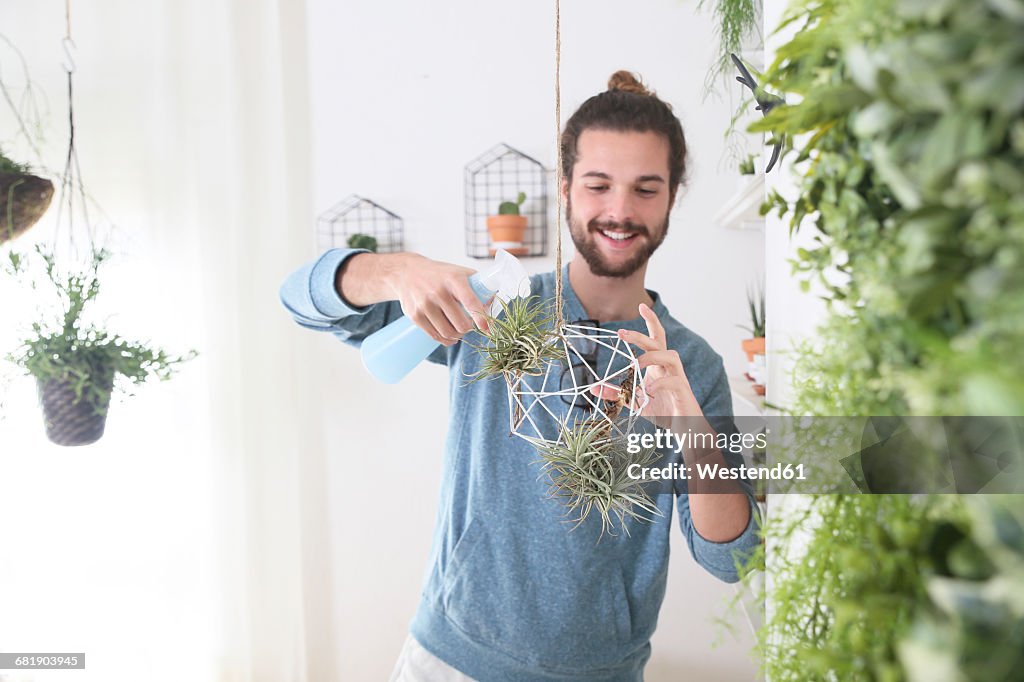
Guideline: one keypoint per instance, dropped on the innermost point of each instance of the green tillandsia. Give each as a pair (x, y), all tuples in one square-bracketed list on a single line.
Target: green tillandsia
[(589, 471), (68, 349), (520, 340)]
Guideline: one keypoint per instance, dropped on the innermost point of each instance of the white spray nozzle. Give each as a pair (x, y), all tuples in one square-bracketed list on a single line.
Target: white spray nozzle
[(507, 278)]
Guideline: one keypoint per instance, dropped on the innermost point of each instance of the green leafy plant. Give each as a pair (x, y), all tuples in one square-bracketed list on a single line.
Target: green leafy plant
[(912, 180), (512, 207), (746, 166), (8, 165), (588, 469), (519, 340), (756, 304), (362, 241), (736, 21), (910, 159), (67, 348), (974, 626), (849, 573)]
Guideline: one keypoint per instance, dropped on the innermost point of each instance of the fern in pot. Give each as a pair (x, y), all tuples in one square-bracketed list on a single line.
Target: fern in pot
[(76, 363)]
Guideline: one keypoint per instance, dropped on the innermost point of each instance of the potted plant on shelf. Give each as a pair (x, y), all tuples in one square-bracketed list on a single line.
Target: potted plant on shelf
[(508, 228), (24, 198), (75, 363), (362, 241), (754, 347), (747, 165)]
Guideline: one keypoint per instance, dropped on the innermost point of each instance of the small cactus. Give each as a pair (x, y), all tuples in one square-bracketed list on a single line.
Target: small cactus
[(512, 207)]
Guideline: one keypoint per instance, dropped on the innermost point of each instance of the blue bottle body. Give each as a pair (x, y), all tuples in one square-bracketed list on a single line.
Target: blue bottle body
[(391, 352)]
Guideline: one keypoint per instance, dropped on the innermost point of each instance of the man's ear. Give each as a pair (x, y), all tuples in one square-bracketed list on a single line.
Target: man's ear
[(565, 188)]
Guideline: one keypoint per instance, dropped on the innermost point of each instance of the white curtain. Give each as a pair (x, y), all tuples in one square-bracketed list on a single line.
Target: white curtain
[(191, 542)]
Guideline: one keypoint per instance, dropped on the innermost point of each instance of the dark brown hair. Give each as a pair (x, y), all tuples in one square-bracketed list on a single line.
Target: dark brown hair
[(627, 106)]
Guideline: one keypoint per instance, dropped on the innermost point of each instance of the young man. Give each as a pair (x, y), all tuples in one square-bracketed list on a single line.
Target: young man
[(511, 592)]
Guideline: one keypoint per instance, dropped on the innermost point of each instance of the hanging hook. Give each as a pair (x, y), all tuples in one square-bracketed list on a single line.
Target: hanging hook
[(68, 45)]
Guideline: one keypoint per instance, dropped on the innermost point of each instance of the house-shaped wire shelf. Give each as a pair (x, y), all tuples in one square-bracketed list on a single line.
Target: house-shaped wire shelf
[(357, 215), (498, 175)]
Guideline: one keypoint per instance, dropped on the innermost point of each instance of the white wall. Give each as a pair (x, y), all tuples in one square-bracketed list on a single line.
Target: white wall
[(404, 95)]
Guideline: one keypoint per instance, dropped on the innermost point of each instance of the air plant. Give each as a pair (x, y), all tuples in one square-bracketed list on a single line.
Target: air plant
[(589, 470), (520, 340)]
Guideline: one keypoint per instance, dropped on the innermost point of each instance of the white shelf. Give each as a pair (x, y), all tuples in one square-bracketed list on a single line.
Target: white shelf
[(745, 401), (742, 211)]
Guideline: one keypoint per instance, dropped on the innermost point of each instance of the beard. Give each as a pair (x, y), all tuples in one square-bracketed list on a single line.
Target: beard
[(586, 244)]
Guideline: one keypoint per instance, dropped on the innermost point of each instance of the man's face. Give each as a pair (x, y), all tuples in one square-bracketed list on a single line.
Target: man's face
[(619, 199)]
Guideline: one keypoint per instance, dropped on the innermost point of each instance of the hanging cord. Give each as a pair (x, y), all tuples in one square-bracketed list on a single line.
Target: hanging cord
[(27, 113), (71, 179), (559, 320)]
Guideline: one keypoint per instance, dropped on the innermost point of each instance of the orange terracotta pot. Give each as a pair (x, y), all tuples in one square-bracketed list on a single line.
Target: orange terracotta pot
[(753, 347), (508, 232)]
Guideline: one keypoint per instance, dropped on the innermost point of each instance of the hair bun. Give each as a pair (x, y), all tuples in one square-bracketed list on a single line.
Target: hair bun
[(627, 82)]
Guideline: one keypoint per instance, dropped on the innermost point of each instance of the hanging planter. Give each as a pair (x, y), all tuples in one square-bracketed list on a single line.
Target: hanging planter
[(24, 196), (585, 459), (71, 417), (24, 199), (73, 362)]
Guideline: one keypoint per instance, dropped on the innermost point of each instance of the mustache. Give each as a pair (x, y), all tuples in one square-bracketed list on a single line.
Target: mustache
[(611, 225)]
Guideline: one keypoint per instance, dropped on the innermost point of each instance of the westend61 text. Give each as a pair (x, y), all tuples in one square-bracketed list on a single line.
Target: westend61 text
[(708, 472)]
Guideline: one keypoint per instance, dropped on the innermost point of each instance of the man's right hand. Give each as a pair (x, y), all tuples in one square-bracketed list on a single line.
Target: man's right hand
[(434, 295)]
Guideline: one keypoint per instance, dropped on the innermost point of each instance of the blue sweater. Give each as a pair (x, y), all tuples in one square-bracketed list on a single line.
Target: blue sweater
[(511, 593)]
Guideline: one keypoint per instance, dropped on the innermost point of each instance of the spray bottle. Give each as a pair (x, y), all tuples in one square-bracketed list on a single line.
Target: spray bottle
[(391, 352)]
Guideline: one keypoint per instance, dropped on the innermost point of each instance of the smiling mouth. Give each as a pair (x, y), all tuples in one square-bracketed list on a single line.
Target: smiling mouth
[(618, 238)]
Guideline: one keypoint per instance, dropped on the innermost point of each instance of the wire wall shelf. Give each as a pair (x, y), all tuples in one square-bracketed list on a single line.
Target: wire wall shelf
[(499, 175), (355, 216)]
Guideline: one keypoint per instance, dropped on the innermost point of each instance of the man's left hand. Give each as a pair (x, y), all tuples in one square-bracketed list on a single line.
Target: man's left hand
[(665, 380)]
